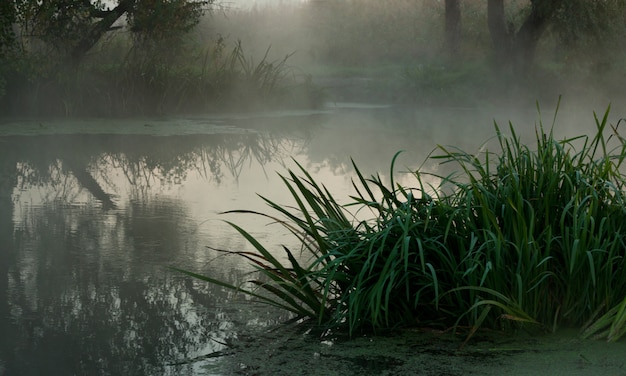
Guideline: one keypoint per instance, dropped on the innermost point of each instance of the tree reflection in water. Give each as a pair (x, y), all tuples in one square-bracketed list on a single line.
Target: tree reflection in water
[(83, 289)]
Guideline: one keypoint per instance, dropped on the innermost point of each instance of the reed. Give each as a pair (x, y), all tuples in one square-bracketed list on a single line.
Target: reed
[(526, 236), (550, 222), (125, 79)]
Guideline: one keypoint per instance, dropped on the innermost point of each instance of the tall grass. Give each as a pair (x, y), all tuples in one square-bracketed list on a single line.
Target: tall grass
[(122, 79), (526, 236), (550, 222)]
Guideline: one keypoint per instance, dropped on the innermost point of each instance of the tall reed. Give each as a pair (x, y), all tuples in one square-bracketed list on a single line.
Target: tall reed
[(549, 222), (525, 236)]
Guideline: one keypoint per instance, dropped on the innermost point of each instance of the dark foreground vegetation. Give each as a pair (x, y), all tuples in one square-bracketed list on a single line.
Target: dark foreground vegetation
[(530, 236), (126, 57)]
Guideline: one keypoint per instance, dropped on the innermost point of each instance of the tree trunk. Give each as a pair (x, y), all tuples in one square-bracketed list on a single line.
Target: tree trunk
[(530, 32), (517, 50), (453, 28), (499, 35), (95, 33)]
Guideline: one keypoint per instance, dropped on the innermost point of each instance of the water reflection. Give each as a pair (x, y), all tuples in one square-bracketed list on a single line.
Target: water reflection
[(88, 225)]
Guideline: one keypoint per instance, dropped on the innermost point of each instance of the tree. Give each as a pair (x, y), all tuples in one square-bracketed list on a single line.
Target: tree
[(7, 19), (572, 20), (44, 42), (453, 27), (7, 40), (159, 19), (73, 27), (591, 25), (517, 48)]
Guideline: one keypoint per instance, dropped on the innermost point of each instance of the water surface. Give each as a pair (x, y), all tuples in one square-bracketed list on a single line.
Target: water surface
[(93, 212)]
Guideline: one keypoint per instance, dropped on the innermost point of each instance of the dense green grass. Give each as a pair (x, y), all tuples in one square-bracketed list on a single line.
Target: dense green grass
[(527, 235)]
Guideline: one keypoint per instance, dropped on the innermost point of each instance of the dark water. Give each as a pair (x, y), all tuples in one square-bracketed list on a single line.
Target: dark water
[(92, 213)]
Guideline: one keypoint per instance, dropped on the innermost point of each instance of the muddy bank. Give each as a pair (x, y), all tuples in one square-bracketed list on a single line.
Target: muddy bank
[(286, 352)]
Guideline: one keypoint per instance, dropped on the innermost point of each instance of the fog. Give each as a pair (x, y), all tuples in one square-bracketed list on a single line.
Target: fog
[(120, 163), (278, 54), (394, 53)]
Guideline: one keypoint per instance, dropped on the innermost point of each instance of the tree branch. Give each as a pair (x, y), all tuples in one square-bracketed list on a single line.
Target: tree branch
[(107, 19)]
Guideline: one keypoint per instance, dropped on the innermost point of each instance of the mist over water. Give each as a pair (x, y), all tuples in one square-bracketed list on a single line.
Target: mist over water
[(94, 209)]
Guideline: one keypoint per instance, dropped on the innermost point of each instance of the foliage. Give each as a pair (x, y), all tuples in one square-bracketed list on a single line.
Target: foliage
[(550, 222), (611, 325), (76, 51), (144, 77), (65, 24), (7, 18), (584, 22), (204, 80), (7, 41), (525, 236), (161, 19), (377, 31), (61, 24), (391, 45)]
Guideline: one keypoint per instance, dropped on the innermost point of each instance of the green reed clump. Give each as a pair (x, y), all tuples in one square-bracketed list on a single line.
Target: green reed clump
[(525, 235), (550, 224)]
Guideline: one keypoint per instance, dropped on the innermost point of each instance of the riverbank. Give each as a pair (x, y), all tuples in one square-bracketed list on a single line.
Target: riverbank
[(418, 352)]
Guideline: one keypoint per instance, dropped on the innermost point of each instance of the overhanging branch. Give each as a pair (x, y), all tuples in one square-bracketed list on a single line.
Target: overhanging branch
[(98, 29)]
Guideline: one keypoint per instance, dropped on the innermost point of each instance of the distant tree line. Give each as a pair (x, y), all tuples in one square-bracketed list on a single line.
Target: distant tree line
[(514, 44), (52, 59)]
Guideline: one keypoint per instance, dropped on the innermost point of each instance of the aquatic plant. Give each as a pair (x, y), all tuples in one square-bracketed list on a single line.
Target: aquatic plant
[(125, 79), (549, 224), (298, 289), (522, 236)]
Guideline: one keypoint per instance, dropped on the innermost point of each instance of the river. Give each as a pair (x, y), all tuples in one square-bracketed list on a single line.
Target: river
[(93, 212)]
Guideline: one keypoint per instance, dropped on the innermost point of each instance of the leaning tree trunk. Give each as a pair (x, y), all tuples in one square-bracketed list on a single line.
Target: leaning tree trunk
[(105, 22)]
